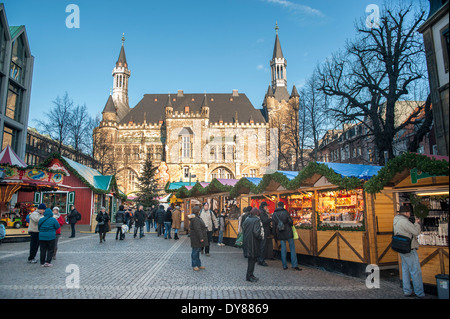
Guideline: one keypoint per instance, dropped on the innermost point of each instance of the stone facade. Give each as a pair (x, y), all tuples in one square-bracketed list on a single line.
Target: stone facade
[(194, 137)]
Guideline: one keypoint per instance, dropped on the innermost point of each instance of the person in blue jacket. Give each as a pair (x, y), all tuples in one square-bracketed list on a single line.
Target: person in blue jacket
[(47, 233)]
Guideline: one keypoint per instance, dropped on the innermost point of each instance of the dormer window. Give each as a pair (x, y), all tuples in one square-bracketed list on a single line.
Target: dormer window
[(186, 109)]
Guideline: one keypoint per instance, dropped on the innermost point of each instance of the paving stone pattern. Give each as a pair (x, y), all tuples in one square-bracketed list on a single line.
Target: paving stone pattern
[(155, 268)]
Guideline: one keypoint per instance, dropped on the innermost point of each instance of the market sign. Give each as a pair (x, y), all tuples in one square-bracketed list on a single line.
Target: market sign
[(416, 175), (31, 174)]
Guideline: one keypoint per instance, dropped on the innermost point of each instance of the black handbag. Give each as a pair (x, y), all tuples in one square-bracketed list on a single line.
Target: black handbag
[(401, 244)]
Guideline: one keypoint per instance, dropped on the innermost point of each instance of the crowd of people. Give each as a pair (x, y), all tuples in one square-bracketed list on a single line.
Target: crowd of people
[(257, 228), (255, 225)]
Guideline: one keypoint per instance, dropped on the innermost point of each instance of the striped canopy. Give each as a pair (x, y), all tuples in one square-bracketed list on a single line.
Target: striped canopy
[(8, 156)]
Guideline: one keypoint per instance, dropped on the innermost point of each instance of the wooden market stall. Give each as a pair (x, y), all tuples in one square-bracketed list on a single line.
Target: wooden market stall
[(423, 183)]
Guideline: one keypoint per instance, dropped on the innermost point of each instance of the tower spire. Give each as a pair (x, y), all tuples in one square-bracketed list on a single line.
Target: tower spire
[(121, 74), (278, 66)]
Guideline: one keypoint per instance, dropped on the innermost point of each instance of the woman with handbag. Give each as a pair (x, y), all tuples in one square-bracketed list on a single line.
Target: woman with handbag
[(102, 223), (211, 223), (411, 270)]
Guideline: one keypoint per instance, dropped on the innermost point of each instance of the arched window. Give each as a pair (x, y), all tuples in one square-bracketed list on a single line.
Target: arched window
[(131, 178), (222, 172)]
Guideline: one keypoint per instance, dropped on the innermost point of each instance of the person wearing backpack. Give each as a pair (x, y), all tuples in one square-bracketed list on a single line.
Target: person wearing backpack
[(74, 216), (283, 231), (411, 270)]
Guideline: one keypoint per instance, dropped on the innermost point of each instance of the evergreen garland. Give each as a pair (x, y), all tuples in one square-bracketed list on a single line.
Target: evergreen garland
[(52, 156), (406, 161)]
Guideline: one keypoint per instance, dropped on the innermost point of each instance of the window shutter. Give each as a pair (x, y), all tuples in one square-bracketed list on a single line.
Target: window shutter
[(37, 198), (71, 199)]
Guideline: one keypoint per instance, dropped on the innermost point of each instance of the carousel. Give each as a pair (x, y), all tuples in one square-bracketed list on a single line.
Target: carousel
[(17, 176)]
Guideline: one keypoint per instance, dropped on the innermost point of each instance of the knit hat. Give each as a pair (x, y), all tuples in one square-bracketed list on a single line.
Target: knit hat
[(42, 206)]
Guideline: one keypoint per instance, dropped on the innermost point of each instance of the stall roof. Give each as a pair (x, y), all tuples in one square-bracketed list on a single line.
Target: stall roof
[(289, 174), (364, 172), (8, 156), (92, 176)]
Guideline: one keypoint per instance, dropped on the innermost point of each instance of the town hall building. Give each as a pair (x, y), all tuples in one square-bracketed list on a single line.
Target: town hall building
[(196, 136)]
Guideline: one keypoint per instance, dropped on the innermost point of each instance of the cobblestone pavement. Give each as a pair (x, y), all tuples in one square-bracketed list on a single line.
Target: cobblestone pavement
[(155, 268)]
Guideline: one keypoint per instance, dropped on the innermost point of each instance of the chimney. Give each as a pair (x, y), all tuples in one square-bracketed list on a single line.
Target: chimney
[(180, 93), (235, 93)]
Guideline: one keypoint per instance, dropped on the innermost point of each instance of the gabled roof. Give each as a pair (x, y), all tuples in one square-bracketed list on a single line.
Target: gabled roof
[(15, 30), (92, 176)]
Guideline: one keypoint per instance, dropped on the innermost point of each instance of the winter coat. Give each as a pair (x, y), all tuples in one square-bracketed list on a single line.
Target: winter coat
[(47, 226), (266, 222), (159, 215), (209, 219), (281, 214), (402, 226), (176, 219), (61, 222), (139, 218), (221, 222), (73, 216), (34, 220), (252, 236), (197, 232), (120, 217), (168, 216), (105, 218)]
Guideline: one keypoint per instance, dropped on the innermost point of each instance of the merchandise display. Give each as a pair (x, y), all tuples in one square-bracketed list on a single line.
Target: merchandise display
[(300, 208), (340, 207)]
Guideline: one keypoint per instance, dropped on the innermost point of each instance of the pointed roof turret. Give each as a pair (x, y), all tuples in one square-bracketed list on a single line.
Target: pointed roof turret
[(110, 107), (122, 61), (169, 101), (294, 92), (205, 101)]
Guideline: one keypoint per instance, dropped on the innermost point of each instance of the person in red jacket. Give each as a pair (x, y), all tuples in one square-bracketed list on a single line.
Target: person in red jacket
[(61, 222)]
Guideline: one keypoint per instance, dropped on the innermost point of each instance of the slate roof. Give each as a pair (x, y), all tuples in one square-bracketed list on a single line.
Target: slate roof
[(110, 107), (122, 58), (222, 106), (277, 52)]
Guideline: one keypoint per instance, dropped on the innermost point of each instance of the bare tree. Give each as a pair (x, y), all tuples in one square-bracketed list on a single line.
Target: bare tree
[(375, 71), (315, 112), (79, 129), (58, 120)]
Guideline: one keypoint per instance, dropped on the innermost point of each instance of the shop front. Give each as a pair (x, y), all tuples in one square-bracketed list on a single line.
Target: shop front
[(421, 182), (83, 188)]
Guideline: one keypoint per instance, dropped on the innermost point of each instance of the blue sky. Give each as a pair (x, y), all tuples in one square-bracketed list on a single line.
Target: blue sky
[(196, 45)]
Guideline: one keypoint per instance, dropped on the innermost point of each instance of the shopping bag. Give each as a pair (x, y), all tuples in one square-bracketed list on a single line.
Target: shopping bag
[(294, 231), (239, 240)]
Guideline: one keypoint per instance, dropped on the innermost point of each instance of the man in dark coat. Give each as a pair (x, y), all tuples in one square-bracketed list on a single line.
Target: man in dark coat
[(266, 248), (159, 218), (281, 215), (73, 217), (253, 233), (198, 236), (139, 220)]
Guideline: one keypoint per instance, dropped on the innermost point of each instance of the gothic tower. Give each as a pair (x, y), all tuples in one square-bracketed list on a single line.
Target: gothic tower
[(121, 74), (281, 108)]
